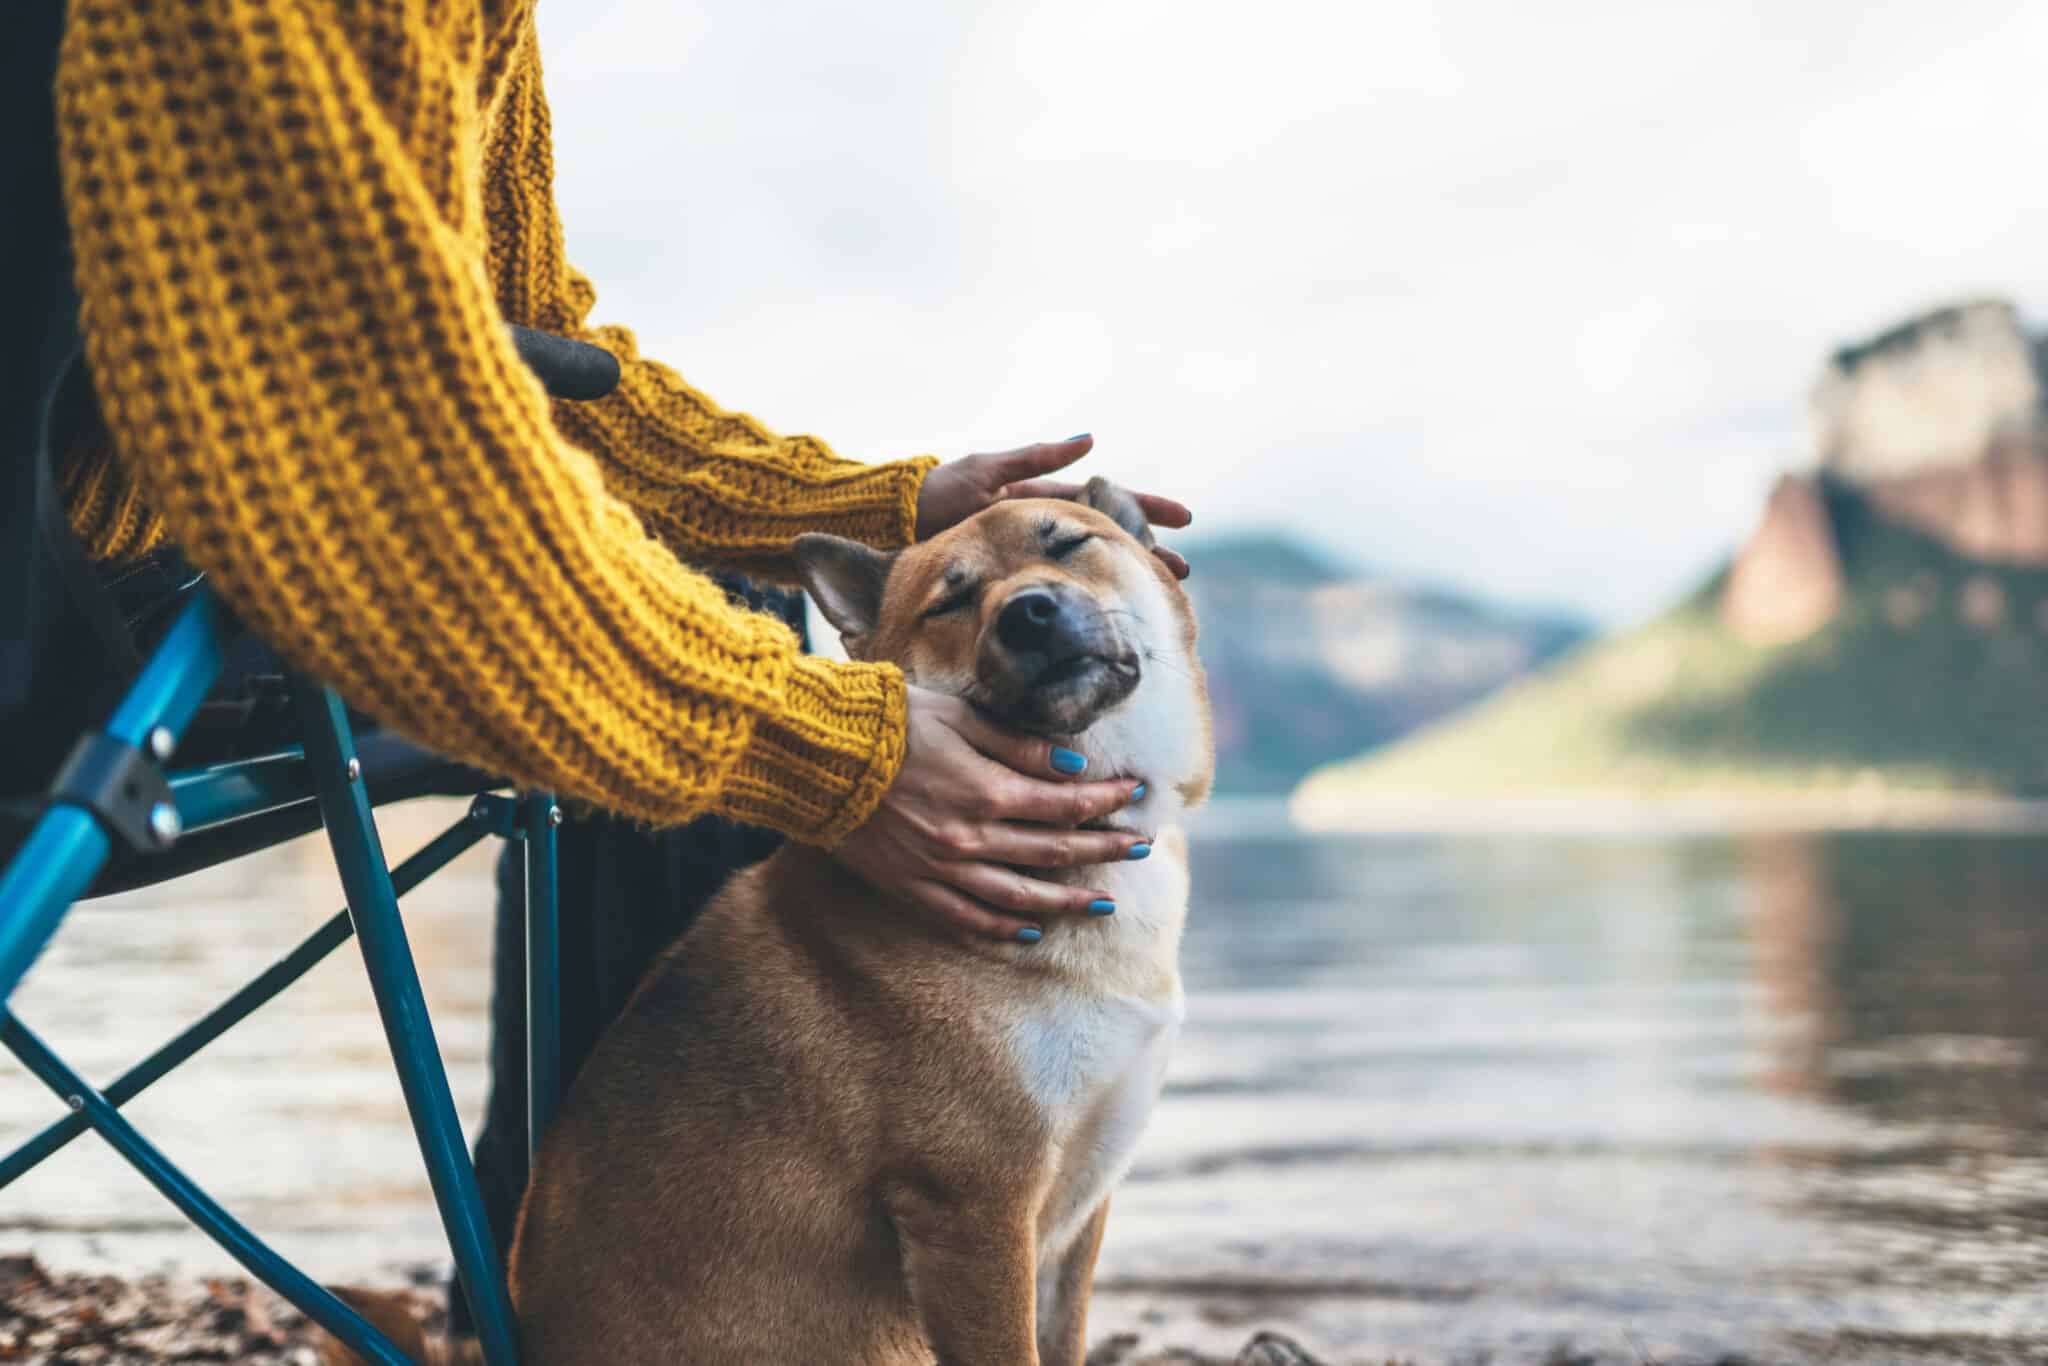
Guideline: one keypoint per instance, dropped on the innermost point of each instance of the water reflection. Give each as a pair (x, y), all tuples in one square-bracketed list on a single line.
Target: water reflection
[(1438, 1098), (1918, 963), (1649, 1096), (1908, 971)]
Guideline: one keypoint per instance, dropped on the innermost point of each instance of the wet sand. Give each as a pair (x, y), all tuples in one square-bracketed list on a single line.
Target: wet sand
[(153, 1320)]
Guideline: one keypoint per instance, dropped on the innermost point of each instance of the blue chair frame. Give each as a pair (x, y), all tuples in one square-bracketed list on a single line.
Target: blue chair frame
[(251, 804)]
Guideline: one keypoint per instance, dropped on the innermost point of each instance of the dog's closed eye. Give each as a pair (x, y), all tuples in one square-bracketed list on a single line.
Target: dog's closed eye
[(1059, 550), (952, 603)]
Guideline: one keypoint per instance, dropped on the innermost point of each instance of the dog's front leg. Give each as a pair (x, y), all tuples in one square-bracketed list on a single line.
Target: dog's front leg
[(1063, 1295), (972, 1268)]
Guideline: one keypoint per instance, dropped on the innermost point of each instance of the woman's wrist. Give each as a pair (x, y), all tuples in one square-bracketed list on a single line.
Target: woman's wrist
[(816, 768)]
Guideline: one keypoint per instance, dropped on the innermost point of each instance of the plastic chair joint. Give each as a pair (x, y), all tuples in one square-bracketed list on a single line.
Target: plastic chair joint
[(123, 788)]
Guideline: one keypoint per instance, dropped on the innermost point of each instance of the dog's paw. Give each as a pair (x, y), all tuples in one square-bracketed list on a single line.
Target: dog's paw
[(1273, 1349)]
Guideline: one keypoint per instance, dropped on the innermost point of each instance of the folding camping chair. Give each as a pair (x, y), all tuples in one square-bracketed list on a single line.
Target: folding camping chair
[(115, 818)]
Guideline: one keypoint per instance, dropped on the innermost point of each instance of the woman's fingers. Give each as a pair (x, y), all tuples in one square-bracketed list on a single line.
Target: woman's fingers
[(1159, 510), (1026, 846), (996, 903), (944, 837), (1032, 755), (1042, 488), (1029, 462), (1032, 791), (1163, 511), (1008, 891), (964, 913), (1061, 804), (1020, 472)]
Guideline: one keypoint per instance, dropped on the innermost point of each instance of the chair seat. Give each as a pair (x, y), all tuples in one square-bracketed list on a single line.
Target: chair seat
[(240, 805)]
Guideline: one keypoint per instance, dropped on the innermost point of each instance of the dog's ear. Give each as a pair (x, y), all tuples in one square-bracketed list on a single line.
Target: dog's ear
[(844, 578), (1115, 502)]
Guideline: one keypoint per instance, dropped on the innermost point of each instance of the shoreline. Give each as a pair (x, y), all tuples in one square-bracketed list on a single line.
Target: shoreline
[(1566, 813), (51, 1315)]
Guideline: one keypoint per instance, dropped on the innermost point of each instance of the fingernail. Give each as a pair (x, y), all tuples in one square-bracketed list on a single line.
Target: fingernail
[(1138, 793), (1030, 934), (1066, 761), (1102, 908), (1139, 851), (1080, 436)]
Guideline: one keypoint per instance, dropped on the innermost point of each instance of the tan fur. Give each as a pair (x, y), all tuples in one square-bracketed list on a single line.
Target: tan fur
[(810, 1139)]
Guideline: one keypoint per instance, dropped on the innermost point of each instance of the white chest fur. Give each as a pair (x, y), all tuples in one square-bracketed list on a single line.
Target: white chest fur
[(1091, 1039), (1094, 1064)]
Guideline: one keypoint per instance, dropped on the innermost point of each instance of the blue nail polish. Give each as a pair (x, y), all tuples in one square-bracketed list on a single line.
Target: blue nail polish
[(1139, 851), (1138, 793), (1102, 908), (1080, 436), (1066, 761), (1030, 934)]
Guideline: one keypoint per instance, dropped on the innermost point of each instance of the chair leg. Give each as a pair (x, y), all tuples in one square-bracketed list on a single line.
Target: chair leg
[(263, 1262), (543, 970), (437, 854), (345, 808)]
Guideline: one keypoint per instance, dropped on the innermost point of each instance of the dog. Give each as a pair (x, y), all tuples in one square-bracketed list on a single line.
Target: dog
[(821, 1131)]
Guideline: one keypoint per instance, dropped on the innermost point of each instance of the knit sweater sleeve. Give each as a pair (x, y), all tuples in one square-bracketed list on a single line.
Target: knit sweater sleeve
[(278, 223), (716, 485)]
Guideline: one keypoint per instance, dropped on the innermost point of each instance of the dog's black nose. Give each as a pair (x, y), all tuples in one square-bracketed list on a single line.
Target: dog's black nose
[(1029, 621)]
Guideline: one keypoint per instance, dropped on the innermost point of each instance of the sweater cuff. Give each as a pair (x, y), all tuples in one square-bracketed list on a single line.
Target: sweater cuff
[(817, 768), (903, 480)]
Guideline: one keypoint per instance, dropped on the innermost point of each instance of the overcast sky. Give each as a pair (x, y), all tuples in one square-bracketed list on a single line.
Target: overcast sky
[(1524, 297)]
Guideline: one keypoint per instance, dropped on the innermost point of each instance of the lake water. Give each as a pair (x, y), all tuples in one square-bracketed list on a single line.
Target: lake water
[(1442, 1098)]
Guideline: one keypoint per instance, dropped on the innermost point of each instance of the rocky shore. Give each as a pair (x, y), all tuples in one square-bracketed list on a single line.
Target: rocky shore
[(48, 1318)]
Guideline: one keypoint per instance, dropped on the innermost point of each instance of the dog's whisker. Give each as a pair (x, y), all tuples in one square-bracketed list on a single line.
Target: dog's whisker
[(1153, 656)]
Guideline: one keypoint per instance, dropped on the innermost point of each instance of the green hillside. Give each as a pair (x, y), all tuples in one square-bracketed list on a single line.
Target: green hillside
[(1284, 626), (1898, 689)]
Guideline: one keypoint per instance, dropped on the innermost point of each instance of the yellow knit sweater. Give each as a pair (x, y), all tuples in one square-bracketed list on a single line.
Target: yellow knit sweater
[(299, 225)]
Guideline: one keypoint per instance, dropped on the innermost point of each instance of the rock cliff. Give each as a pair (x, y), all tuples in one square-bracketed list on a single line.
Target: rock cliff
[(1880, 640), (1787, 582), (1938, 424), (1935, 392)]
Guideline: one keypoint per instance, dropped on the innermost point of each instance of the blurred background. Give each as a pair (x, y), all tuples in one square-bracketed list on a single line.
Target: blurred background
[(1616, 440)]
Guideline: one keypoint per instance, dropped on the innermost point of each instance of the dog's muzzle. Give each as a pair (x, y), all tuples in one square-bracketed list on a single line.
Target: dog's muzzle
[(1052, 661)]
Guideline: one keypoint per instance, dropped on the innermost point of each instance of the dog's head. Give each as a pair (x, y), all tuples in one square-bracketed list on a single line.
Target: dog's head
[(1047, 615)]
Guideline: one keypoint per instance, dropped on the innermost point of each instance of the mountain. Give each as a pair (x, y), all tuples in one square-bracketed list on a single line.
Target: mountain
[(1309, 657), (1884, 630)]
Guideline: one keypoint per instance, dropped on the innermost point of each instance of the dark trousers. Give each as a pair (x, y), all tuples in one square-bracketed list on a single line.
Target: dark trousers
[(626, 894)]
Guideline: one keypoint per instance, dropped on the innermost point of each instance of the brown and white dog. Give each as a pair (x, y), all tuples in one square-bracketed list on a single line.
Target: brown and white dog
[(821, 1133)]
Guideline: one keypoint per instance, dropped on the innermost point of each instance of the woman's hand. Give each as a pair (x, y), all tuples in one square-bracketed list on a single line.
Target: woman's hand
[(972, 803), (960, 488)]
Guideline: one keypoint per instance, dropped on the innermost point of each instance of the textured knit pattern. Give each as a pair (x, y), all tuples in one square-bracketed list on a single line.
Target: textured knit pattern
[(300, 226), (106, 508)]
